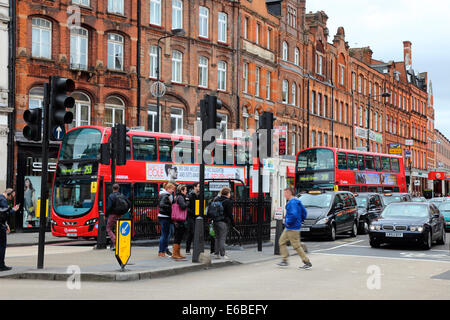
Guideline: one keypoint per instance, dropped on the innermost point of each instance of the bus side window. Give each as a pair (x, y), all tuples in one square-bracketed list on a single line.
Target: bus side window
[(386, 163), (377, 163), (369, 163), (361, 162), (395, 165), (144, 148), (165, 150), (184, 151), (352, 162), (128, 147), (240, 155), (342, 161), (146, 190)]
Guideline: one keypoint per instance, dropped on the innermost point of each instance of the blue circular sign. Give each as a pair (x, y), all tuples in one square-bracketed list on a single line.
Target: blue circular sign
[(125, 229)]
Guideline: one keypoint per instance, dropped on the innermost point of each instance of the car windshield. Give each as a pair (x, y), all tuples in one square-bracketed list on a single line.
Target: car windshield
[(316, 200), (73, 197), (444, 206), (405, 211), (391, 199), (361, 202)]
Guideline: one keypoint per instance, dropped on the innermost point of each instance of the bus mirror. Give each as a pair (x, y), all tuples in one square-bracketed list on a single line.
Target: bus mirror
[(105, 156)]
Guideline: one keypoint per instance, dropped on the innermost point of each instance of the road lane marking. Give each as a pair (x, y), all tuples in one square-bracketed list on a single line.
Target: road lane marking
[(382, 257), (340, 246)]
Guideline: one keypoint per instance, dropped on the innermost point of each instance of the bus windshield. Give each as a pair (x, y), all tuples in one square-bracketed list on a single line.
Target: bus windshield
[(81, 144), (315, 159), (73, 197)]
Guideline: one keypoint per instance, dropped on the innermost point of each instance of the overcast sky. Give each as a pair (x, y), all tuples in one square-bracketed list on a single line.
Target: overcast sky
[(385, 24)]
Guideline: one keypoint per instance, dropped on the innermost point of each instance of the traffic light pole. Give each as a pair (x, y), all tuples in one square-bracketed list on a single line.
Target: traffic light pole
[(260, 194), (44, 178)]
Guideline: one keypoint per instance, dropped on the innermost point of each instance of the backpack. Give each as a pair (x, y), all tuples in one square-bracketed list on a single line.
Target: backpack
[(120, 205), (216, 211)]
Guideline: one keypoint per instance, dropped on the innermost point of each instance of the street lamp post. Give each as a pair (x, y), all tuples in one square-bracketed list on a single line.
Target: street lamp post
[(175, 32), (384, 95)]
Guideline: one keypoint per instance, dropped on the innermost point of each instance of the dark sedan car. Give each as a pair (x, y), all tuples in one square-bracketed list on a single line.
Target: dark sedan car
[(370, 207), (392, 197), (416, 222)]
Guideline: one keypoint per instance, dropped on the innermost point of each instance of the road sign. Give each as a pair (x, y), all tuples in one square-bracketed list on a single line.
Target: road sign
[(278, 214), (417, 183), (409, 142), (408, 153), (394, 148), (123, 242), (268, 165), (59, 132)]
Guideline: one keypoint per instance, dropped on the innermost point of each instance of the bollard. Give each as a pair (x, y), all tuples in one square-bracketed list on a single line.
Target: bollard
[(278, 231), (101, 232), (199, 244)]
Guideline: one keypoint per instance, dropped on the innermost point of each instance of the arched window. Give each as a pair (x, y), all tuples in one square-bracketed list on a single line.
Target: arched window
[(285, 55), (81, 111), (297, 56), (36, 98), (177, 66), (114, 111), (41, 46), (284, 93)]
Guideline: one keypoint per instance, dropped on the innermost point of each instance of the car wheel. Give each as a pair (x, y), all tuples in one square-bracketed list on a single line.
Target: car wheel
[(332, 235), (354, 231), (442, 239), (365, 227), (428, 241), (374, 244)]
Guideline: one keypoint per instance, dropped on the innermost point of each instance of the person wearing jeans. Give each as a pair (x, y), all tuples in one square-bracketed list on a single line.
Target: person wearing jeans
[(295, 214), (164, 217), (221, 227)]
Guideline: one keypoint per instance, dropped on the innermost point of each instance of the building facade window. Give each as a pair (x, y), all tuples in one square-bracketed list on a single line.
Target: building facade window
[(78, 48), (177, 14), (115, 6), (176, 120), (81, 2), (115, 51), (245, 77), (153, 121), (268, 75), (202, 72), (81, 111), (284, 93), (154, 61), (114, 111), (297, 57), (257, 80), (155, 12), (41, 38), (177, 66), (222, 27), (293, 94), (285, 54), (269, 32), (203, 26), (222, 75)]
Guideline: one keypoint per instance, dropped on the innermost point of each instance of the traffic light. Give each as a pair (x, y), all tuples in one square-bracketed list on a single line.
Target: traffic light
[(208, 108), (121, 144), (33, 118), (266, 122), (59, 102)]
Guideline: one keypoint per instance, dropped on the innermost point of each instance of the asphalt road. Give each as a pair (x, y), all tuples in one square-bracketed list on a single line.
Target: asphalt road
[(347, 268)]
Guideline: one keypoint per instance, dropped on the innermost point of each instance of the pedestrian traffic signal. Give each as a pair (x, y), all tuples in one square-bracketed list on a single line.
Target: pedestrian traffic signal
[(121, 144), (33, 129), (266, 122), (59, 102)]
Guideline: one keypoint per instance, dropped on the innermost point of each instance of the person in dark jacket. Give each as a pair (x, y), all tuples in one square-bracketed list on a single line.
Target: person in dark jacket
[(164, 216), (221, 227), (180, 226), (295, 214), (190, 222), (112, 215), (5, 211)]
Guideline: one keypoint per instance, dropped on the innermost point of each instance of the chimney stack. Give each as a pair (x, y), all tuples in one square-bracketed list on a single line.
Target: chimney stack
[(407, 54)]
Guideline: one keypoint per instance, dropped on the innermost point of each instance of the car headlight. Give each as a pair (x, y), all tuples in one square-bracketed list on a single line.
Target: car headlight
[(322, 221), (375, 227), (92, 221), (416, 228)]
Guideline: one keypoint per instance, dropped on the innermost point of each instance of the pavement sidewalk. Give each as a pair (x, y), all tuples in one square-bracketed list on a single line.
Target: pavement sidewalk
[(66, 262)]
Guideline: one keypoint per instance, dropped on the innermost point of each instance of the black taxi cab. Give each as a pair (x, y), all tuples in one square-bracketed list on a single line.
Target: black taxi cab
[(329, 213)]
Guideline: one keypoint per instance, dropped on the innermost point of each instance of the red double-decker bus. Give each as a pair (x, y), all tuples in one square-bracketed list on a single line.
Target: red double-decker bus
[(326, 168), (81, 183)]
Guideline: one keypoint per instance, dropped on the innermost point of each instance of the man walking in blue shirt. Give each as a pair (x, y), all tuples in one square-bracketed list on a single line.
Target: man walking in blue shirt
[(295, 214)]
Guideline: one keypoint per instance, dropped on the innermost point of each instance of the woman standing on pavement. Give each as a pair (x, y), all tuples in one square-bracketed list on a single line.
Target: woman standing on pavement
[(164, 217), (182, 201)]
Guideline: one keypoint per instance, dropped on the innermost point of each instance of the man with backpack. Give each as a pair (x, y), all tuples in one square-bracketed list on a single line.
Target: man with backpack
[(220, 211), (116, 206)]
